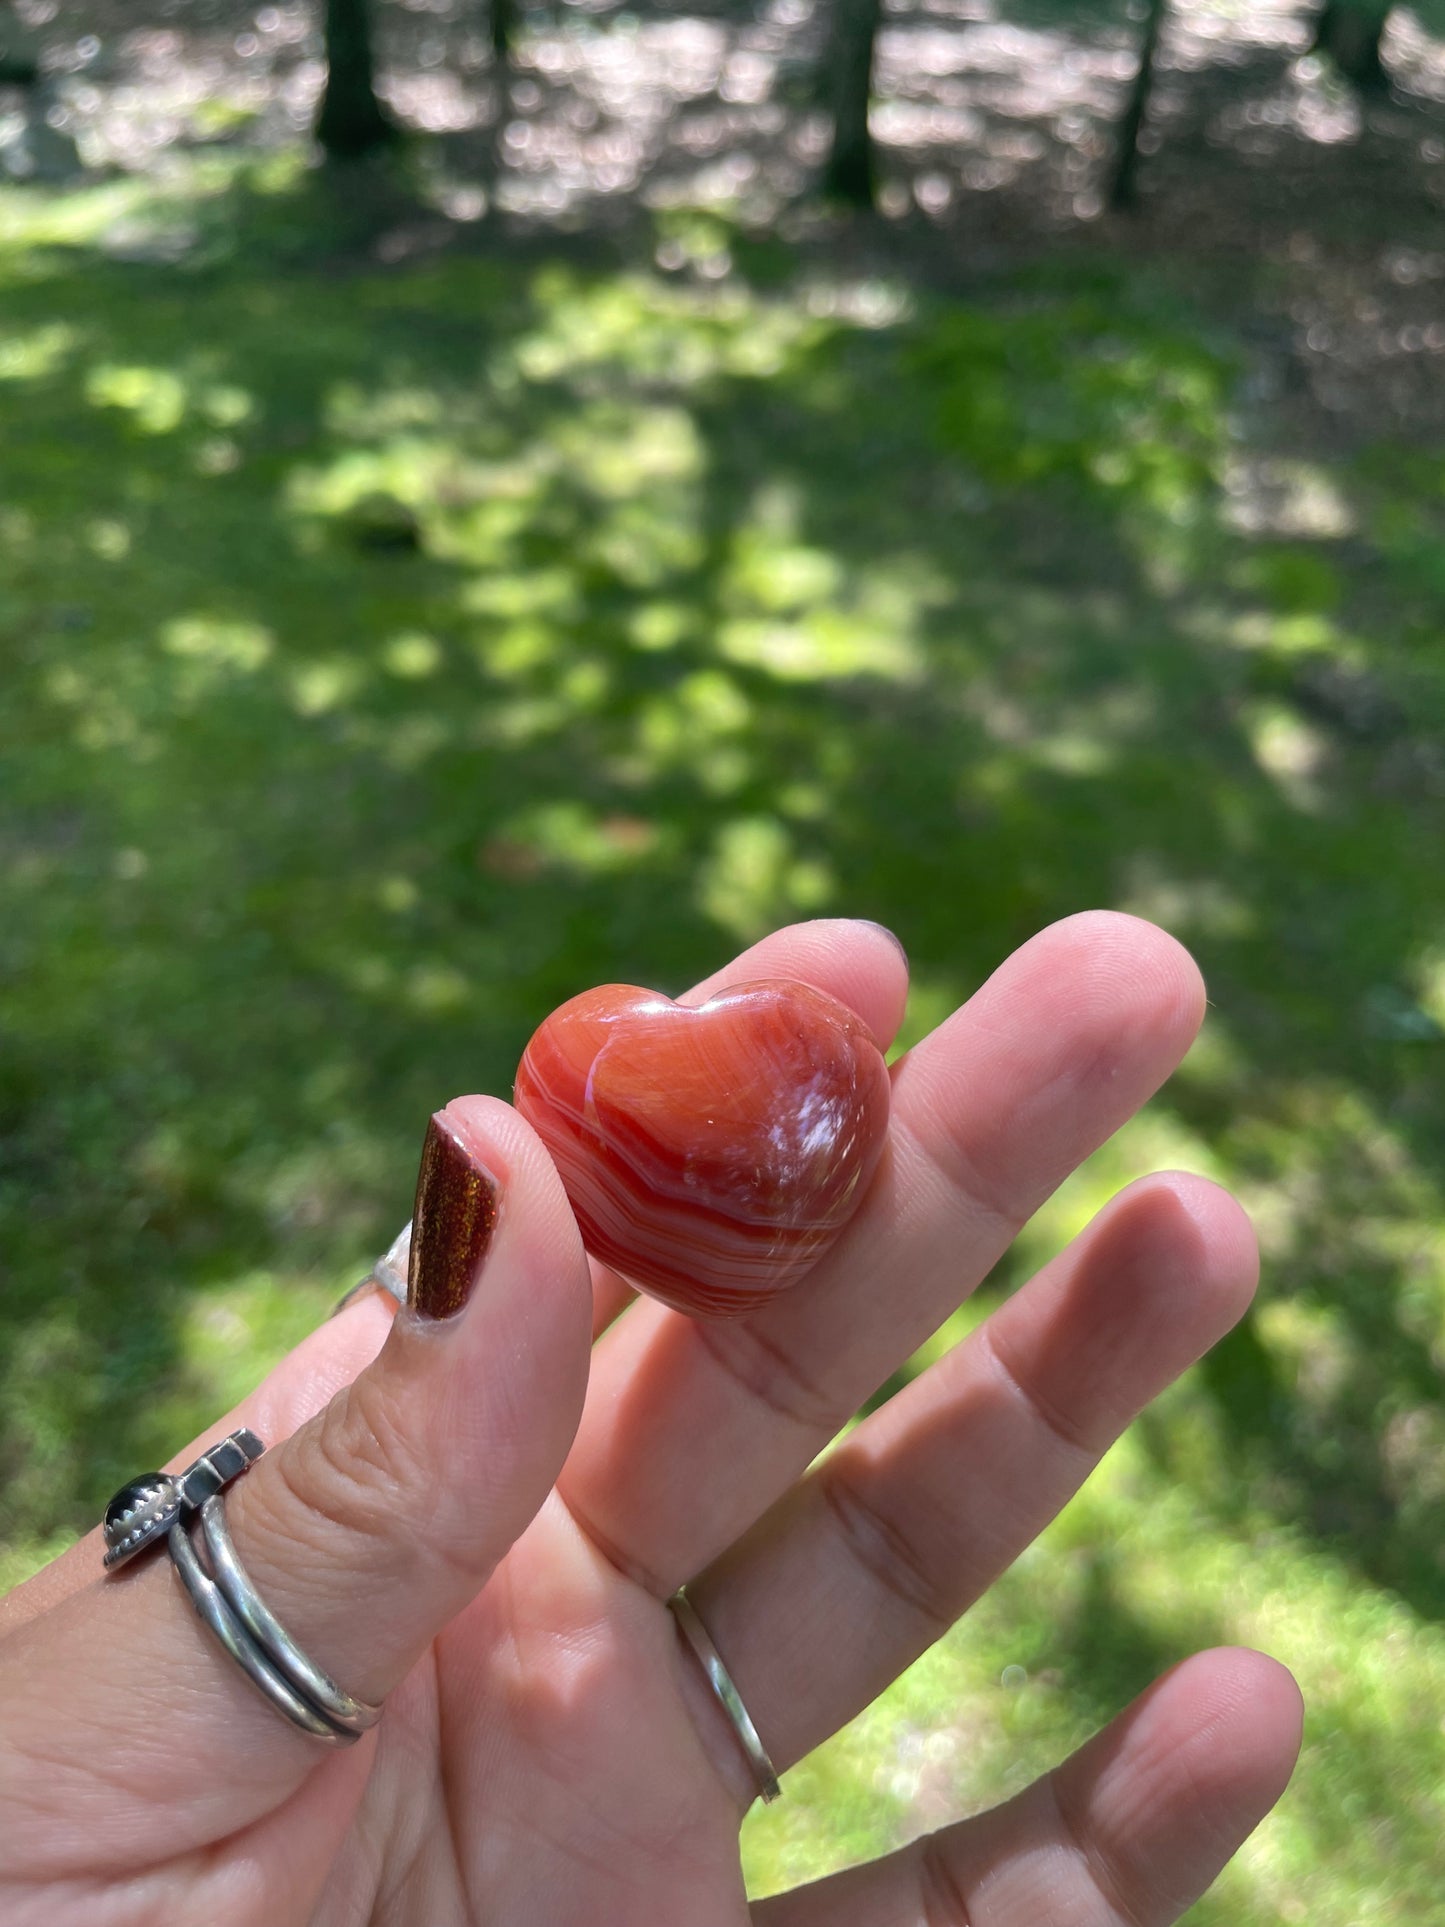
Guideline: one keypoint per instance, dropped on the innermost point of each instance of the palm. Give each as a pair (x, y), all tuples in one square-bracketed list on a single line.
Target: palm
[(552, 1755), (573, 1785)]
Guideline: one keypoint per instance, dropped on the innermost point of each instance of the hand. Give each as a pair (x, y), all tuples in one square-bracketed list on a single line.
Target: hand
[(460, 1520)]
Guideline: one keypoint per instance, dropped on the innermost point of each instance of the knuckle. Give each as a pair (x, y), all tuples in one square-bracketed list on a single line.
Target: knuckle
[(940, 1889), (984, 1205), (1069, 1433), (769, 1376), (358, 1471), (1099, 1868), (884, 1550)]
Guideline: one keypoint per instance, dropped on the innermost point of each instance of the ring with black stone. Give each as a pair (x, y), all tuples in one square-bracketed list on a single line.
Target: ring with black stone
[(161, 1505), (144, 1510)]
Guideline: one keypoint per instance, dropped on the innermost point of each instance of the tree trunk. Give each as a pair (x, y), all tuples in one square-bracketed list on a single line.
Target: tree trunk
[(504, 25), (849, 174), (1124, 188), (351, 121), (1350, 31), (19, 54)]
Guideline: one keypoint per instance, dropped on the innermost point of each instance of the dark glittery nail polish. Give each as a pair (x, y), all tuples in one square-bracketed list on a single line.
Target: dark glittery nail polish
[(456, 1214)]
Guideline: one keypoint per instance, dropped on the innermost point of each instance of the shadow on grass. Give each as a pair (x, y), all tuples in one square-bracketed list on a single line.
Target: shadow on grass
[(391, 654)]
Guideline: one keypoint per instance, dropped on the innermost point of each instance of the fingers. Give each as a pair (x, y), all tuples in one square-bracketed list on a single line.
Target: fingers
[(692, 1430), (1127, 1833), (897, 1532), (365, 1532), (862, 964)]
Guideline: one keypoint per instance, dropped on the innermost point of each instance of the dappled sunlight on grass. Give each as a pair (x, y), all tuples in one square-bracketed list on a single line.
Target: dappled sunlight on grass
[(1126, 1581), (32, 355), (753, 879), (393, 655)]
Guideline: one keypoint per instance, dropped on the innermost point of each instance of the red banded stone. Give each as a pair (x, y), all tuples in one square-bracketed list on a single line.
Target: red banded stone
[(711, 1155)]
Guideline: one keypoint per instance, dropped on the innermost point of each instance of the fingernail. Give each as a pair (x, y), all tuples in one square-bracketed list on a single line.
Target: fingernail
[(456, 1215)]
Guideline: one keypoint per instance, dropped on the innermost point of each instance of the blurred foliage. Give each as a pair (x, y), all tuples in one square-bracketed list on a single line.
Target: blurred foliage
[(389, 654)]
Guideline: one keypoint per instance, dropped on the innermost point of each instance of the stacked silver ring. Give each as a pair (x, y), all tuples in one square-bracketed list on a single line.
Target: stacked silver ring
[(250, 1632), (171, 1505), (223, 1595)]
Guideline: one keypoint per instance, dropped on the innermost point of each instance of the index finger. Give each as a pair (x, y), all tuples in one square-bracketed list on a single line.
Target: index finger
[(691, 1431)]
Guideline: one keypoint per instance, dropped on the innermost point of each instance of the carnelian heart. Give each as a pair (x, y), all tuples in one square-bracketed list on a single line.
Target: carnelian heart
[(710, 1155)]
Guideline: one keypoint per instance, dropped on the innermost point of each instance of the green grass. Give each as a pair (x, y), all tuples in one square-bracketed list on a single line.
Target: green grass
[(391, 653)]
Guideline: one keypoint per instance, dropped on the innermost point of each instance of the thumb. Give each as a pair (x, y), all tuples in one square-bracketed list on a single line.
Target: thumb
[(406, 1490), (364, 1532)]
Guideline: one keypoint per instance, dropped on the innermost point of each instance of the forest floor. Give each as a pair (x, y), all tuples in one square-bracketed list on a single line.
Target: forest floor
[(559, 557)]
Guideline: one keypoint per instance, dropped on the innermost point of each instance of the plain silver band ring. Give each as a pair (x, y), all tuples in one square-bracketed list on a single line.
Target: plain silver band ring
[(710, 1659), (270, 1635), (388, 1274), (209, 1603)]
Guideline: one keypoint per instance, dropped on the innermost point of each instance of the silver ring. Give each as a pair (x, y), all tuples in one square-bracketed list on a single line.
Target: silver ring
[(145, 1509), (351, 1715), (388, 1274), (164, 1505), (246, 1628), (205, 1596), (710, 1659)]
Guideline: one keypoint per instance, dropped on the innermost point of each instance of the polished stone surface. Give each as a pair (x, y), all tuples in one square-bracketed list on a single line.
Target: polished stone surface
[(710, 1155)]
